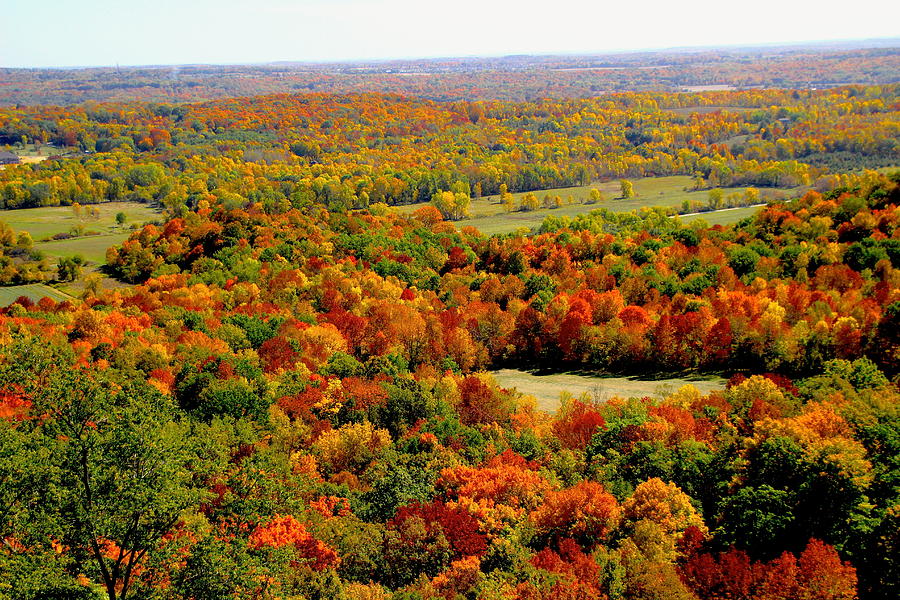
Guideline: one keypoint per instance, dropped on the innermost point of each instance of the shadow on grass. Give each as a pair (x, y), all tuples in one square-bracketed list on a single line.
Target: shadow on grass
[(649, 375)]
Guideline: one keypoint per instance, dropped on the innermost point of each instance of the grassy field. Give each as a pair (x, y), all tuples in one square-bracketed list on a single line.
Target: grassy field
[(35, 291), (489, 216), (42, 223), (92, 248), (39, 151), (547, 388)]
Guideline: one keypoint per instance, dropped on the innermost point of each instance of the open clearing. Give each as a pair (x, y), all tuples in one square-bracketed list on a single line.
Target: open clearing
[(35, 291), (92, 248), (490, 217), (42, 223), (547, 388)]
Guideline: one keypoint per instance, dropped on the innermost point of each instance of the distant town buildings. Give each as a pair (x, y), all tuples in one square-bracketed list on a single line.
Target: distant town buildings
[(8, 158)]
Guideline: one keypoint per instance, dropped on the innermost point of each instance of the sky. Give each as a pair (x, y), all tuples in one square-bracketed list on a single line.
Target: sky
[(64, 33)]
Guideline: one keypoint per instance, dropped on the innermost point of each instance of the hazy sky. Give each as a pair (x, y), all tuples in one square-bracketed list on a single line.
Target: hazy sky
[(139, 32)]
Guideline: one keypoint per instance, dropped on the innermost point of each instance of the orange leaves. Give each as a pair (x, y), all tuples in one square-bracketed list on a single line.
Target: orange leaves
[(428, 215), (282, 531), (163, 380), (331, 506), (504, 484), (576, 422), (462, 575), (363, 393), (673, 425), (14, 405), (822, 574), (585, 512)]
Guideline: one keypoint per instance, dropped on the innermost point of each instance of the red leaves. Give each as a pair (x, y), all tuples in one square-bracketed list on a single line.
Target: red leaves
[(454, 523), (481, 404), (277, 354), (818, 574), (568, 559), (456, 259), (577, 423)]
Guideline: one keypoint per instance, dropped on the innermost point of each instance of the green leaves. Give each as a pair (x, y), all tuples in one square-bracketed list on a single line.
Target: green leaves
[(101, 466)]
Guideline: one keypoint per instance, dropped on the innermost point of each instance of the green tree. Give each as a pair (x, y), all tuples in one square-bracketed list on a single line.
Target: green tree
[(627, 188), (119, 464), (68, 268), (121, 218)]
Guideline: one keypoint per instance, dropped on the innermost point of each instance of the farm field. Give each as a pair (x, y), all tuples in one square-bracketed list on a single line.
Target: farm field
[(547, 388), (490, 217), (92, 247), (35, 291), (43, 223)]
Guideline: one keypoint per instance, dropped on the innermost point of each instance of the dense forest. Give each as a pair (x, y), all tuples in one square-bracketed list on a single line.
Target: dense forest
[(290, 396), (354, 151), (514, 78)]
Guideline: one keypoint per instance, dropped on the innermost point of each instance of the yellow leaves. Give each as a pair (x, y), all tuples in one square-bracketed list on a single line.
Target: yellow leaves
[(656, 516), (685, 396), (664, 504), (321, 341), (826, 439), (363, 591), (244, 293), (772, 318), (332, 397), (755, 388), (352, 447), (864, 220), (90, 325)]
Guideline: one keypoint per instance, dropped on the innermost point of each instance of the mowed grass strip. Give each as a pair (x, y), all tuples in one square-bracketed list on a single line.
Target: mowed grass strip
[(728, 216), (34, 291), (547, 388)]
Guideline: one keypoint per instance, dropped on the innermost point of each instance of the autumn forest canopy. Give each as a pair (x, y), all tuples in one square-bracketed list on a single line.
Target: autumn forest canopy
[(280, 384)]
